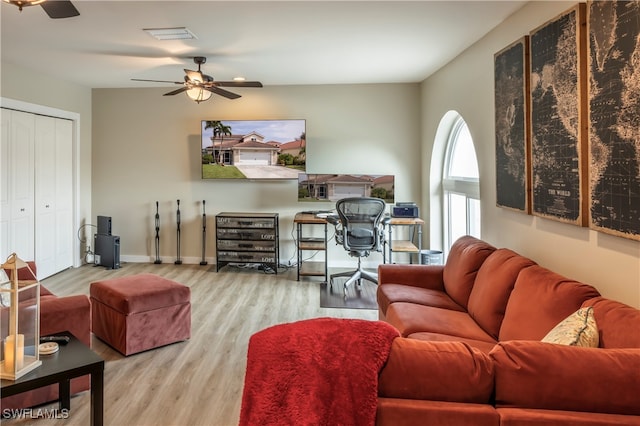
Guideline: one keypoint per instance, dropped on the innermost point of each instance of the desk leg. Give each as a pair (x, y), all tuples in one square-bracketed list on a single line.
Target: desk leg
[(390, 243), (97, 397), (298, 251), (64, 394), (419, 244), (326, 256), (412, 231)]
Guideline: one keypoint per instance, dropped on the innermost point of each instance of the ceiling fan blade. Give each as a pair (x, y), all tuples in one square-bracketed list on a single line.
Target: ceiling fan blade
[(58, 9), (175, 92), (239, 83), (194, 75), (218, 91), (158, 81)]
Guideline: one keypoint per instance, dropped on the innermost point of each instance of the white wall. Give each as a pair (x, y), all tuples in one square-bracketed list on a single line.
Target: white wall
[(36, 92), (146, 148), (611, 264)]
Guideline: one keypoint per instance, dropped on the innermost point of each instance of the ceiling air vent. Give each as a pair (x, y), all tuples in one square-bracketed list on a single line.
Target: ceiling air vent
[(179, 33)]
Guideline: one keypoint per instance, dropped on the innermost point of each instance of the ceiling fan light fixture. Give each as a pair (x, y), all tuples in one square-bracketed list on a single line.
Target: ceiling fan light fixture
[(198, 94), (199, 87), (24, 3)]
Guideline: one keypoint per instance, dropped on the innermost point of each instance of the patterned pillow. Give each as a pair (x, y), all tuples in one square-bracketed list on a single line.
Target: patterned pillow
[(578, 329)]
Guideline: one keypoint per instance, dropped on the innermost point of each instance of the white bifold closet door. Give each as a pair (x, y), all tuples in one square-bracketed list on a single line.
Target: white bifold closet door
[(17, 185), (53, 195), (36, 190)]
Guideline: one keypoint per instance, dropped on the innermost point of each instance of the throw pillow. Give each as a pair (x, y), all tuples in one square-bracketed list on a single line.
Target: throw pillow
[(578, 329)]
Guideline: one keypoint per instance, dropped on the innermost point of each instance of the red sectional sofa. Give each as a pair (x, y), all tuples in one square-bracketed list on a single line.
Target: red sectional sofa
[(471, 350), (57, 314)]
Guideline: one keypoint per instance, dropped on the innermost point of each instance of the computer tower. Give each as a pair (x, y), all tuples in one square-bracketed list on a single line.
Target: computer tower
[(107, 251), (104, 225)]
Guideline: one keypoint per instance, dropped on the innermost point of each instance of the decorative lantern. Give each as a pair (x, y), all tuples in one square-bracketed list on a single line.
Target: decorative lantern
[(20, 318)]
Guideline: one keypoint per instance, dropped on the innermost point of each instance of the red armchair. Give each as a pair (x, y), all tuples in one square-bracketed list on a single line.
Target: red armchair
[(57, 314)]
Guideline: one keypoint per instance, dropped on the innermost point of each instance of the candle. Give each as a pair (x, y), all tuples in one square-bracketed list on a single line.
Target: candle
[(13, 351)]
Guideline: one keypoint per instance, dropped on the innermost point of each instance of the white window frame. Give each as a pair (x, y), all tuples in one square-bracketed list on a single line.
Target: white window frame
[(464, 186)]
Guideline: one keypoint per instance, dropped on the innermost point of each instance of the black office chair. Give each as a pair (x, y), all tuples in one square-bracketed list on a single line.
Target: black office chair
[(360, 232)]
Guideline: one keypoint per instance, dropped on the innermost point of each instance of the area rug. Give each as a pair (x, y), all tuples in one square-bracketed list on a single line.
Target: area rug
[(357, 298), (322, 371)]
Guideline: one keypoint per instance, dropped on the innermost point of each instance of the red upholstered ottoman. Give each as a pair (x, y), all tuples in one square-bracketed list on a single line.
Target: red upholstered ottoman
[(140, 312)]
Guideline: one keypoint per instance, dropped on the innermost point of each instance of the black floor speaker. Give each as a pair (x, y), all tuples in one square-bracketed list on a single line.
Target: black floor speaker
[(107, 252)]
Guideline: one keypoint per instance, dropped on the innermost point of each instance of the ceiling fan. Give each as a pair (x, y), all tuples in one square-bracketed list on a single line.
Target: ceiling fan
[(199, 86), (56, 9)]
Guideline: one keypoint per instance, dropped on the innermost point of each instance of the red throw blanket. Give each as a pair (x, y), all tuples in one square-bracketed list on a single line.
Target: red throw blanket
[(315, 372)]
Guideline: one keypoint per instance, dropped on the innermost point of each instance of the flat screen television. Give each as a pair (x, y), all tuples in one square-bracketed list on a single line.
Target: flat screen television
[(333, 187), (253, 149)]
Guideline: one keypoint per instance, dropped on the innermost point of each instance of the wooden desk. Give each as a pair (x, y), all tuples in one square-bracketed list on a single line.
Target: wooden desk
[(309, 243)]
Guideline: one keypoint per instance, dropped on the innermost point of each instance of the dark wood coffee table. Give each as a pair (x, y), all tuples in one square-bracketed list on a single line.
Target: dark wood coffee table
[(74, 359)]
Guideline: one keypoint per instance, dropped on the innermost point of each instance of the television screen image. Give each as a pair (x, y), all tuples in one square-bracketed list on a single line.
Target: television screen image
[(253, 149), (333, 187)]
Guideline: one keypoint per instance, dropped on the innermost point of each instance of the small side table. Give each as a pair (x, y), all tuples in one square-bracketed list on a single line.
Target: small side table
[(410, 245), (72, 360), (306, 243)]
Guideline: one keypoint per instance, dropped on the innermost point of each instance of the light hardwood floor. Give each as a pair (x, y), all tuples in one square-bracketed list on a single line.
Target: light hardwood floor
[(197, 382)]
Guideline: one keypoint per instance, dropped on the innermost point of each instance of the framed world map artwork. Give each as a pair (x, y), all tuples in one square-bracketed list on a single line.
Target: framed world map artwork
[(558, 118), (511, 88), (614, 117)]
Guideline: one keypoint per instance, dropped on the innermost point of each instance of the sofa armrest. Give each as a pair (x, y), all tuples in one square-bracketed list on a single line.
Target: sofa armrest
[(436, 371), (424, 276), (531, 374), (71, 313)]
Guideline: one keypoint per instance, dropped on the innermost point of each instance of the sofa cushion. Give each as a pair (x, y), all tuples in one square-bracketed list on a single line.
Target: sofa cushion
[(69, 313), (618, 324), (542, 375), (578, 329), (410, 318), (539, 301), (391, 293), (31, 273), (25, 273), (425, 276), (536, 417), (493, 286), (437, 371), (465, 258), (485, 347), (413, 412)]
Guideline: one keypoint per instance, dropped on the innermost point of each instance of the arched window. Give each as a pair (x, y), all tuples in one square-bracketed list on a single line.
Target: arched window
[(460, 185)]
